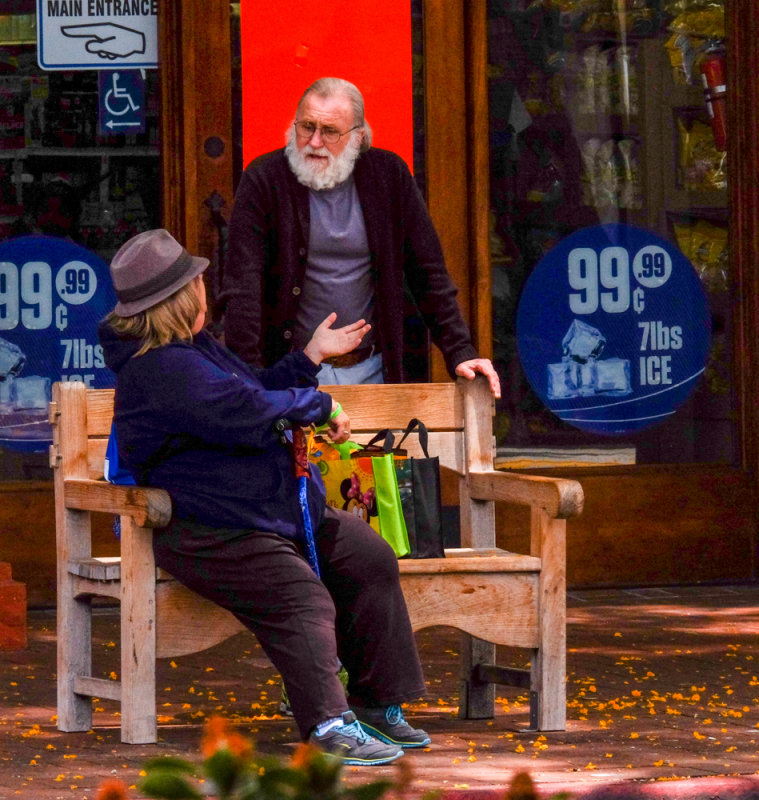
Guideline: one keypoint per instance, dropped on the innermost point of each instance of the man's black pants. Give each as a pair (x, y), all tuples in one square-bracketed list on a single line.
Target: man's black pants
[(356, 613)]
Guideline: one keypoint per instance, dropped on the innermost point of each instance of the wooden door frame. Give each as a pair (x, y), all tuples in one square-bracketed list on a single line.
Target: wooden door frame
[(446, 133), (196, 120), (478, 114), (742, 28)]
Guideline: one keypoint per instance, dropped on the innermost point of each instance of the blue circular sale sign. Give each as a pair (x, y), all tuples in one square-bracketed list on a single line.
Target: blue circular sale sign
[(53, 293), (613, 329)]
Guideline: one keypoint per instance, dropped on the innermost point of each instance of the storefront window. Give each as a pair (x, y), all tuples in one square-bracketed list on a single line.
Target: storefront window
[(598, 117), (65, 176)]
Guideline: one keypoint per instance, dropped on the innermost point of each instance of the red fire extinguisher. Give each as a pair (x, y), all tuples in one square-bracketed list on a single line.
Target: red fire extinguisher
[(713, 75)]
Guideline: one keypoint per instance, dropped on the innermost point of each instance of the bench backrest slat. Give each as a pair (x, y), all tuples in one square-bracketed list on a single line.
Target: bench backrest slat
[(438, 405), (96, 458), (99, 412), (371, 408)]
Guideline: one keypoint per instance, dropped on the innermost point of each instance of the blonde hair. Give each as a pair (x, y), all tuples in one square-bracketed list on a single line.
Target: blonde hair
[(168, 321)]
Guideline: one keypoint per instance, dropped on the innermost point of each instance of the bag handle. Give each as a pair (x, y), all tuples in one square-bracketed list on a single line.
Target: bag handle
[(387, 446), (421, 430), (388, 440)]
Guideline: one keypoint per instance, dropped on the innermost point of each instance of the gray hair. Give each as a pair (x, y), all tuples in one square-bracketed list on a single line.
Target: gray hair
[(330, 87)]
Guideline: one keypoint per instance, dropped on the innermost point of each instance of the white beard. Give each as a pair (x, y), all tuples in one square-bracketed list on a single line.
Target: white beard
[(316, 176)]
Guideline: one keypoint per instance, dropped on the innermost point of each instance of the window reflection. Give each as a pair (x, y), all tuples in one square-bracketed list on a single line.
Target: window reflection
[(598, 115), (63, 175)]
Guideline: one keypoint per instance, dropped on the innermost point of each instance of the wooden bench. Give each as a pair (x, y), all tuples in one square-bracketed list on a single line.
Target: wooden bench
[(495, 597)]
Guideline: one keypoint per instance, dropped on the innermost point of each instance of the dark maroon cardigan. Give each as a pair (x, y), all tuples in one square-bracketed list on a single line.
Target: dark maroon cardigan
[(267, 256)]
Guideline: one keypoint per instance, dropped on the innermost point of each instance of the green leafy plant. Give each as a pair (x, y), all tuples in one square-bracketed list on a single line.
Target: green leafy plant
[(231, 770)]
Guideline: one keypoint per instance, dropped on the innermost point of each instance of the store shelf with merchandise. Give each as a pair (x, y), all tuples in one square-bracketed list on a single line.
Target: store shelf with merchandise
[(63, 171), (582, 152), (701, 180), (616, 139)]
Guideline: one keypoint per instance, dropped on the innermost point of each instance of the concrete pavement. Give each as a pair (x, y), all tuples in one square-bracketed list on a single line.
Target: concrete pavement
[(663, 702)]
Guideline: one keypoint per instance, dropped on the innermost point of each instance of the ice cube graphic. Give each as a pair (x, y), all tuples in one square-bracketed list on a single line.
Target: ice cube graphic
[(581, 373), (582, 342), (561, 385), (613, 376), (34, 392), (585, 378), (5, 391), (12, 359), (567, 379)]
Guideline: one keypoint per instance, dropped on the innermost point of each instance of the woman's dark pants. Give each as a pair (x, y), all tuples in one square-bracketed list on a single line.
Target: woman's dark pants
[(356, 613)]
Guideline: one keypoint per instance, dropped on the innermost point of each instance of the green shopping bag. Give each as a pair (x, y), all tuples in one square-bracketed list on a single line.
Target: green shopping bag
[(392, 525)]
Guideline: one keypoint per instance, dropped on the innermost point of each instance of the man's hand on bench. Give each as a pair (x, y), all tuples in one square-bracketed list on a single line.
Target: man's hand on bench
[(469, 369)]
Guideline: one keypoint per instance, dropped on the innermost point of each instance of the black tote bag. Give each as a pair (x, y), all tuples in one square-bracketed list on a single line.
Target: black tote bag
[(419, 489)]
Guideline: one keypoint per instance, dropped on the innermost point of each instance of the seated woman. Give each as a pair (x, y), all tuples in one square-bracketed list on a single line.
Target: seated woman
[(193, 419)]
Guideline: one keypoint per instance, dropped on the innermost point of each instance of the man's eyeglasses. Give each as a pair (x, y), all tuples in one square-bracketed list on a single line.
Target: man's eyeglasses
[(330, 135)]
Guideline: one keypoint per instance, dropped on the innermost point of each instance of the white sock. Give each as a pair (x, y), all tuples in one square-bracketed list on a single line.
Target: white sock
[(327, 725)]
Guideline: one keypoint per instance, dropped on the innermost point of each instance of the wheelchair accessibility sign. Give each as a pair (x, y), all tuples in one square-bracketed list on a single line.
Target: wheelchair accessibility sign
[(122, 102), (97, 34)]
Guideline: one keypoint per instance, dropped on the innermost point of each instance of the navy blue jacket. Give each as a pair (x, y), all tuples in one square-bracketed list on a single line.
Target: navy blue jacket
[(192, 418)]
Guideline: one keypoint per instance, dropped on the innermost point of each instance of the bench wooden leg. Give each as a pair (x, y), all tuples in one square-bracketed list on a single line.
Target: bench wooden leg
[(477, 699), (138, 635), (549, 663), (74, 659), (74, 630)]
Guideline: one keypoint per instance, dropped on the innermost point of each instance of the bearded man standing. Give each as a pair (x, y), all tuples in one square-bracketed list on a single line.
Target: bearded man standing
[(330, 224)]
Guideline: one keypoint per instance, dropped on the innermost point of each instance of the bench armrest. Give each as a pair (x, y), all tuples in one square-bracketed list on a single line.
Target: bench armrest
[(558, 497), (149, 508)]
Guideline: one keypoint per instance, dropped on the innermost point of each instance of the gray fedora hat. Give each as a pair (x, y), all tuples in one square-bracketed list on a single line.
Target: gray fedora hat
[(150, 267)]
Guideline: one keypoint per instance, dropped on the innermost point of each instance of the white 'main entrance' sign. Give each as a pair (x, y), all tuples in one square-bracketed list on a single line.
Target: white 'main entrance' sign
[(97, 34)]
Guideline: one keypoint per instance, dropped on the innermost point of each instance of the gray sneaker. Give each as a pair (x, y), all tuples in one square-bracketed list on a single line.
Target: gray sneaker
[(349, 742), (388, 725)]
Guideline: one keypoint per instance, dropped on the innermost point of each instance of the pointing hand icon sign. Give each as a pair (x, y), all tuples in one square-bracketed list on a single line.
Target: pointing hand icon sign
[(107, 39)]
